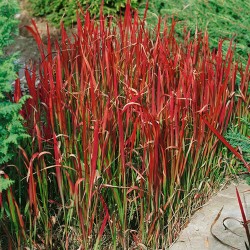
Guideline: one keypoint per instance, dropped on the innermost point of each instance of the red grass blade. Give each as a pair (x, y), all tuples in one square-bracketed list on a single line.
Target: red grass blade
[(245, 222), (58, 166)]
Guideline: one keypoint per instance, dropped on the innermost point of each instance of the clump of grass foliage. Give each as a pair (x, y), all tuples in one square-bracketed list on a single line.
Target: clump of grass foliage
[(126, 128), (64, 10), (222, 19)]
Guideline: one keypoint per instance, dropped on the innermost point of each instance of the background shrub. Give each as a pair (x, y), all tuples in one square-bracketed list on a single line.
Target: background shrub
[(57, 10), (222, 19), (11, 129)]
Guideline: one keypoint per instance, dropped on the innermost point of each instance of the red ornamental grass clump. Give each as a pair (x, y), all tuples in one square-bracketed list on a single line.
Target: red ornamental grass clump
[(126, 127)]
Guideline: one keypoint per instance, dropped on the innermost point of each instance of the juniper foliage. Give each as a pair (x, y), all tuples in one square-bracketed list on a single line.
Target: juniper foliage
[(63, 10), (222, 19), (239, 140)]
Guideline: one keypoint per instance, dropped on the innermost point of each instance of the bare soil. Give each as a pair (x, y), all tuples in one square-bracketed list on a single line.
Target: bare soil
[(24, 42)]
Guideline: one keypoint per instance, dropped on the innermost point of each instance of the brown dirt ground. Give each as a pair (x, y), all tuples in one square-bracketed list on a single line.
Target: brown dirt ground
[(24, 42)]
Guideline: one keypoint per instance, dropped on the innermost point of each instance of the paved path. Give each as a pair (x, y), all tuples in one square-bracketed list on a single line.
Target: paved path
[(197, 236)]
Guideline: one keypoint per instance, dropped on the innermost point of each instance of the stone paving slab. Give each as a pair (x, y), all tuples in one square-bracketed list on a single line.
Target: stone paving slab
[(197, 236)]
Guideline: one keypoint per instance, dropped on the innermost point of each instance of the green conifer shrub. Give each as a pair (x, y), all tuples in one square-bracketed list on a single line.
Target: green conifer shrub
[(11, 128), (57, 10), (222, 19), (240, 139)]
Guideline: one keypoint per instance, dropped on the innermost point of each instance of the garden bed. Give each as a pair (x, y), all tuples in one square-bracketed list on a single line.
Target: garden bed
[(126, 135)]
